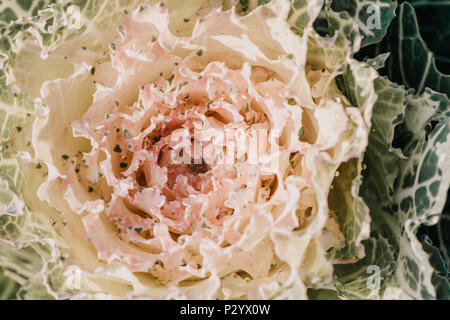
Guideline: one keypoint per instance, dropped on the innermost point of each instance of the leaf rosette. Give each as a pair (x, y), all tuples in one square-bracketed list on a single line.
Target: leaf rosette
[(207, 150)]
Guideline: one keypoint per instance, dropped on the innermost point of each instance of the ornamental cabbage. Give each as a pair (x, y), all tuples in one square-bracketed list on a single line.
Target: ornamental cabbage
[(220, 150)]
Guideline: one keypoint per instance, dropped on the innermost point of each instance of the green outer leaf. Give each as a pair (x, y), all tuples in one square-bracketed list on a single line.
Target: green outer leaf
[(405, 190), (351, 211), (379, 61), (368, 18), (8, 287), (435, 29), (328, 53), (28, 254), (388, 112), (22, 267), (441, 275), (411, 62), (392, 188), (322, 294), (16, 111), (302, 14), (10, 13), (354, 280), (440, 234)]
